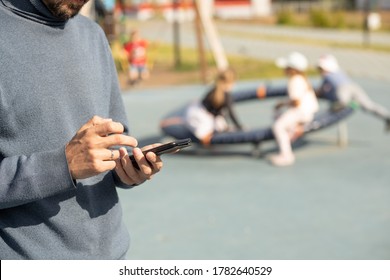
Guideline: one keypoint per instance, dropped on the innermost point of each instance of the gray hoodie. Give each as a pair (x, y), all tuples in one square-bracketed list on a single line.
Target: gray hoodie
[(54, 76)]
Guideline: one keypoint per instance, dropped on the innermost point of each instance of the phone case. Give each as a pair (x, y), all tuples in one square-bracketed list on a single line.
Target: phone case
[(165, 148)]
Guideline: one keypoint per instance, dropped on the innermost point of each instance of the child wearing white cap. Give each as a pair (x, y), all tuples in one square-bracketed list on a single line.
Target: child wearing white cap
[(338, 88), (301, 106)]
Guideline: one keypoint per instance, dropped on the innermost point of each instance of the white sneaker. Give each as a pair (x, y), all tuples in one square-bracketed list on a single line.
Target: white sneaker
[(282, 160)]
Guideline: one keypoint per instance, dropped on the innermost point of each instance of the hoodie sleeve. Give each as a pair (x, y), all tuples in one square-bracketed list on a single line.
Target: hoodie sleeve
[(28, 178)]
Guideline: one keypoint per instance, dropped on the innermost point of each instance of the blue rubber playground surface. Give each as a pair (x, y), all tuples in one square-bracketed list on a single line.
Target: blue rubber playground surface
[(226, 203)]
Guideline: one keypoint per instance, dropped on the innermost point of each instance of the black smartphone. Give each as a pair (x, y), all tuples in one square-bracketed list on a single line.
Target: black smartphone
[(165, 148)]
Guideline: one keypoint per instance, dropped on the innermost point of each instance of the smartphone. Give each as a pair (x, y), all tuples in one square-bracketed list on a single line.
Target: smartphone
[(165, 148)]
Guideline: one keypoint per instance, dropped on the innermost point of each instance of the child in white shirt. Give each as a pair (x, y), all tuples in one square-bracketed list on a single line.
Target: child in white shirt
[(301, 106)]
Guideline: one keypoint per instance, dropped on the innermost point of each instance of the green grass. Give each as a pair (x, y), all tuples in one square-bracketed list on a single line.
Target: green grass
[(162, 56)]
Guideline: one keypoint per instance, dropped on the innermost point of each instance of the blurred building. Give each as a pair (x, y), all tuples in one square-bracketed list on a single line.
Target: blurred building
[(183, 10), (347, 4), (227, 9), (374, 4)]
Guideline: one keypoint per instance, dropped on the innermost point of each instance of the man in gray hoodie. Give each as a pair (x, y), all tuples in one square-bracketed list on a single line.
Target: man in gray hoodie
[(61, 121)]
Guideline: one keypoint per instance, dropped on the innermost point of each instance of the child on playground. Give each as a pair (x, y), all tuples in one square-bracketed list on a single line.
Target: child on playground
[(338, 88), (206, 117), (300, 107), (136, 54)]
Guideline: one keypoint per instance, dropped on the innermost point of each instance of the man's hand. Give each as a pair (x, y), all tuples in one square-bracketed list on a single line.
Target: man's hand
[(149, 165), (88, 152)]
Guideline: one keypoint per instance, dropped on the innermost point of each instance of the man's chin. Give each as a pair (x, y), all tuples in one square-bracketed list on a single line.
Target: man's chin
[(66, 11)]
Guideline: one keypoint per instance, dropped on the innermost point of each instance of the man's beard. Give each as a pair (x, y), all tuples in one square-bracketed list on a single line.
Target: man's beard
[(64, 9)]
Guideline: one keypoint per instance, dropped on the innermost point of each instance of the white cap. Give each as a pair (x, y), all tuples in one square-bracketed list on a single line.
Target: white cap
[(328, 63), (294, 60)]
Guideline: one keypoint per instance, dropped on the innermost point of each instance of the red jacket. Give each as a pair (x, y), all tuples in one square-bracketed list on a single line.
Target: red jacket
[(136, 52)]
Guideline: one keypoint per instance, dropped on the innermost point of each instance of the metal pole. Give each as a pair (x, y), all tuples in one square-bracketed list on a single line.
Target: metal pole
[(366, 27), (201, 51), (109, 25), (176, 34), (212, 36)]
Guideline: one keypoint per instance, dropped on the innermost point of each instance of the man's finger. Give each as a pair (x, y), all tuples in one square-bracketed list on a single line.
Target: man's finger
[(110, 154), (108, 128), (155, 161), (106, 166), (122, 174), (129, 169), (142, 162), (118, 140), (95, 120)]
